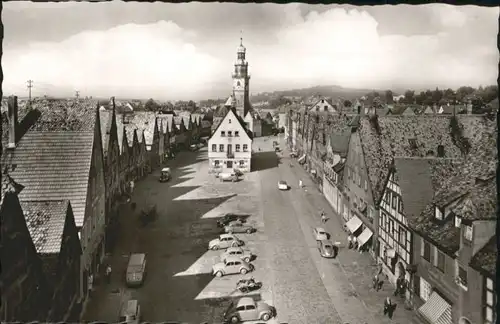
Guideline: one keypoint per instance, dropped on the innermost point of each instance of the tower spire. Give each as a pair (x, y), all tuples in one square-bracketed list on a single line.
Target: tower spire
[(241, 38)]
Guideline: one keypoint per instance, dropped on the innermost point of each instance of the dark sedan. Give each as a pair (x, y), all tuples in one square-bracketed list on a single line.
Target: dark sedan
[(228, 218)]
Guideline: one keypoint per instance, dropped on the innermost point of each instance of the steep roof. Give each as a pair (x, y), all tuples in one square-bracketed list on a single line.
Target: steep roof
[(221, 111), (66, 115), (143, 121), (339, 142), (53, 166), (485, 260), (240, 121), (186, 120), (119, 130), (105, 117), (45, 221), (169, 121), (383, 138), (130, 131)]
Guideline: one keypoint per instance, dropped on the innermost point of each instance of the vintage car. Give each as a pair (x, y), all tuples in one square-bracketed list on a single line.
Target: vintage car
[(243, 254), (239, 227), (282, 185), (231, 265), (165, 175), (326, 249), (228, 218), (320, 234), (224, 241), (247, 309)]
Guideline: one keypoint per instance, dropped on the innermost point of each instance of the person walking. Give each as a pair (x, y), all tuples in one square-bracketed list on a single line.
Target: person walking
[(349, 241), (131, 184), (387, 306), (90, 283), (108, 273), (323, 217), (375, 281), (301, 185), (355, 242)]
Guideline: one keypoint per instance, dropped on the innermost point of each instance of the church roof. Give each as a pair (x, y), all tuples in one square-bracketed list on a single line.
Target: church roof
[(241, 48)]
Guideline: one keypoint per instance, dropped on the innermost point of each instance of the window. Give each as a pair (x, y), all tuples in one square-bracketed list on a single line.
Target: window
[(326, 108), (222, 133), (237, 147), (388, 196), (230, 133), (440, 151), (458, 221), (236, 133), (221, 147), (425, 250), (229, 121), (245, 147), (425, 289), (462, 276), (242, 162), (370, 212), (217, 163), (402, 237), (439, 259), (438, 213), (366, 185), (359, 180), (490, 301), (391, 226), (214, 147), (468, 233), (394, 201)]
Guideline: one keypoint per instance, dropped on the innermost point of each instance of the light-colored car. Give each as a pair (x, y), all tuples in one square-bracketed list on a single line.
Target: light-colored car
[(233, 177), (243, 254), (239, 227), (231, 265), (326, 249), (224, 241), (247, 309), (282, 185), (320, 234)]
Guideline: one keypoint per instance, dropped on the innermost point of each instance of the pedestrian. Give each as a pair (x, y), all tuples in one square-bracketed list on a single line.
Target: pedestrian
[(355, 242), (108, 273), (90, 283), (301, 185), (131, 186), (375, 282), (387, 305), (349, 241), (323, 217)]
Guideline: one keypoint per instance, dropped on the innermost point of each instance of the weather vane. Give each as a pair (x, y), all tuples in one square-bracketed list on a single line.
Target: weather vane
[(241, 37)]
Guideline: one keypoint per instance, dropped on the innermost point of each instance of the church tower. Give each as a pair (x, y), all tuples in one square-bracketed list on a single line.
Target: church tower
[(241, 82)]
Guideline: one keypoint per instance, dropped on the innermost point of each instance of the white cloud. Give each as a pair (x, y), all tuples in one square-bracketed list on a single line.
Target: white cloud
[(333, 47)]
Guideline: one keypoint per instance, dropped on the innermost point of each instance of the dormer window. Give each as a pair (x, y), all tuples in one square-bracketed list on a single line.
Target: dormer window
[(322, 100), (222, 133), (326, 108), (230, 133), (229, 121), (458, 221), (438, 213)]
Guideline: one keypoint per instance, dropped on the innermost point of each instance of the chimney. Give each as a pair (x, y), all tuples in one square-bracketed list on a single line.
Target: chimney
[(12, 110)]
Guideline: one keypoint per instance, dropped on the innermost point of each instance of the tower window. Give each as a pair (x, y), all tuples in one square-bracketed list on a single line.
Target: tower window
[(238, 84)]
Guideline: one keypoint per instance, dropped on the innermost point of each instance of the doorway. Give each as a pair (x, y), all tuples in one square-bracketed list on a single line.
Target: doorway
[(229, 149), (229, 164)]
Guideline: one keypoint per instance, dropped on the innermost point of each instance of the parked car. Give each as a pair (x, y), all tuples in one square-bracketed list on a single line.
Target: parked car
[(239, 227), (282, 185), (165, 175), (193, 147), (231, 265), (320, 234), (243, 254), (227, 218), (131, 312), (224, 241), (325, 248), (247, 309), (223, 176)]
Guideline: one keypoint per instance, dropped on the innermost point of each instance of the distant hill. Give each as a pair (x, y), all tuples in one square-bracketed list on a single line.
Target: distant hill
[(327, 91)]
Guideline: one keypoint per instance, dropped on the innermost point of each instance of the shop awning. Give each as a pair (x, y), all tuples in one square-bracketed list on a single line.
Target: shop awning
[(353, 224), (364, 236), (436, 310), (302, 158)]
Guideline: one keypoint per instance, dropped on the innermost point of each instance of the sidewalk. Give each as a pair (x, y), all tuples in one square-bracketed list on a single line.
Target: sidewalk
[(358, 267)]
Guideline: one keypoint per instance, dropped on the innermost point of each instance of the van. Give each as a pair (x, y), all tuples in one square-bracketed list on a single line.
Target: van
[(130, 312), (228, 177), (136, 269)]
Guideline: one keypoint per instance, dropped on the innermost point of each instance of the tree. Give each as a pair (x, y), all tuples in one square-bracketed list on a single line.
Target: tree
[(377, 102), (420, 98), (437, 95), (347, 103), (463, 92), (151, 105), (389, 98), (409, 96)]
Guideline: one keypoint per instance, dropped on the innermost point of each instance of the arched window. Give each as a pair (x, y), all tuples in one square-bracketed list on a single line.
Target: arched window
[(238, 84)]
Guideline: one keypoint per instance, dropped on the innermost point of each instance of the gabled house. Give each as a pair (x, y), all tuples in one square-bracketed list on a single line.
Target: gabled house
[(221, 112), (60, 158), (337, 148), (25, 293), (126, 165), (53, 231), (430, 110), (146, 122), (135, 153), (324, 105), (380, 139), (189, 126), (230, 146), (181, 138), (253, 122), (169, 130)]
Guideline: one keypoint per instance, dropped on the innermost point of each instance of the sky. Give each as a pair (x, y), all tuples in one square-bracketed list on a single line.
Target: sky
[(187, 51)]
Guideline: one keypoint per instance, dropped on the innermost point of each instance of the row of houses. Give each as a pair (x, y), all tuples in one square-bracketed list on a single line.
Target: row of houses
[(66, 167), (419, 193)]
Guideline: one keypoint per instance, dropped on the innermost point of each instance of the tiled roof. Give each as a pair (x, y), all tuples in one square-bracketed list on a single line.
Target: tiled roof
[(486, 258), (9, 185), (105, 117), (45, 221), (221, 111), (339, 141), (66, 115), (383, 138), (143, 121), (169, 120), (53, 166), (119, 130), (130, 131), (187, 119)]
